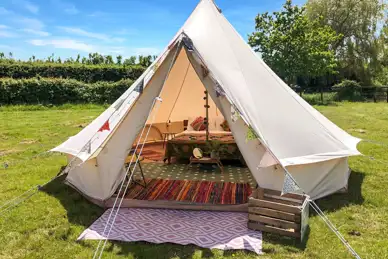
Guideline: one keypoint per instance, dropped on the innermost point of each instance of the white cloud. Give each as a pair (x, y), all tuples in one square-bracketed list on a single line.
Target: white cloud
[(63, 44), (71, 10), (5, 47), (37, 32), (68, 8), (145, 51), (126, 31), (27, 5), (94, 35), (4, 11), (30, 23), (97, 14), (7, 34)]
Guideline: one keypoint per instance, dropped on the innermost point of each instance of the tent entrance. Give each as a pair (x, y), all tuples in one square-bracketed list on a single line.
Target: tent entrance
[(183, 101), (170, 143)]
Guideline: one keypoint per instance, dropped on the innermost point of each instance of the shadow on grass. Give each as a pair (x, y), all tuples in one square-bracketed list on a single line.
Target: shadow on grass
[(338, 200), (82, 212), (290, 244), (79, 210)]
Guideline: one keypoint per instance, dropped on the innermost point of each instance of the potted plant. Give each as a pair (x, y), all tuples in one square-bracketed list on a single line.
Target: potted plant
[(214, 148)]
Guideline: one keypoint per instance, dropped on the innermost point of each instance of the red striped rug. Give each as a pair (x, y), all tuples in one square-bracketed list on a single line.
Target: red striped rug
[(192, 191)]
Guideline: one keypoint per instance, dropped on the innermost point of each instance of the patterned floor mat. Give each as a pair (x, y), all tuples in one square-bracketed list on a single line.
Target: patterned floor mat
[(191, 191), (208, 229), (233, 174)]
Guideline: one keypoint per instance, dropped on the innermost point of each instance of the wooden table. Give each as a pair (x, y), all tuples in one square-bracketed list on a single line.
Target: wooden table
[(167, 136), (207, 160)]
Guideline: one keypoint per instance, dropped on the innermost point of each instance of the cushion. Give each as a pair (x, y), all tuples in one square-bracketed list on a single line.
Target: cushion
[(198, 124)]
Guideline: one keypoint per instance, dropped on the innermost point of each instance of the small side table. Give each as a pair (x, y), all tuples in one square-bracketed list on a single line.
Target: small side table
[(207, 160), (167, 136)]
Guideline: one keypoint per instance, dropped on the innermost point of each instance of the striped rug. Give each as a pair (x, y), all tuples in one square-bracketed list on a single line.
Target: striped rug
[(192, 191)]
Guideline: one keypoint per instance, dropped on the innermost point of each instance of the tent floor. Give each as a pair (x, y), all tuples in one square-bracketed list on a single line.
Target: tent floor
[(179, 171)]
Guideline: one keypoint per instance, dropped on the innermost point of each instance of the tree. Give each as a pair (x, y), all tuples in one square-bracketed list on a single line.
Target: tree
[(108, 60), (130, 61), (292, 45), (119, 59), (357, 23), (145, 61)]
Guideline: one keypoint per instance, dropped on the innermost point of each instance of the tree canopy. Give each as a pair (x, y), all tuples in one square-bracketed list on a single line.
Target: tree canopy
[(293, 45), (325, 41), (358, 24)]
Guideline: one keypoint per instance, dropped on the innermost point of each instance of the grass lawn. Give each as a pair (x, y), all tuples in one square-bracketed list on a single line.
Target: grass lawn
[(48, 225)]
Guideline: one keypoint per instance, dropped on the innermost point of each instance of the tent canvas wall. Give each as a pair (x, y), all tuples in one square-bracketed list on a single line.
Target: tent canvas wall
[(290, 133)]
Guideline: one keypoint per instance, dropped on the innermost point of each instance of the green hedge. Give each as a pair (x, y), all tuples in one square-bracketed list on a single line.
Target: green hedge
[(59, 91), (84, 73)]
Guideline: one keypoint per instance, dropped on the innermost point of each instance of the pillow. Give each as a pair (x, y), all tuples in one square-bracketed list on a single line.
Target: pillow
[(198, 124), (225, 126)]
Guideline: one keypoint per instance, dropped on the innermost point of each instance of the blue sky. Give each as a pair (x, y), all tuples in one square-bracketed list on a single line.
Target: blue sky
[(110, 27)]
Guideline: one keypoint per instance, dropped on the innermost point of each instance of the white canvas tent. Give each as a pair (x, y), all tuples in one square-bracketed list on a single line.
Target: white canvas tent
[(291, 133)]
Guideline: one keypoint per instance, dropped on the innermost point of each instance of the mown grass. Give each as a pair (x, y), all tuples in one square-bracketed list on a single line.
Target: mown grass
[(48, 225)]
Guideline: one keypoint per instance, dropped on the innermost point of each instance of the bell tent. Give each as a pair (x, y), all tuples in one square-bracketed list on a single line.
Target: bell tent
[(208, 55)]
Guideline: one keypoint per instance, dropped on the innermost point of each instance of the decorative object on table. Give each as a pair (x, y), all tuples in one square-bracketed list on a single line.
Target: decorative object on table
[(197, 153), (286, 215), (214, 148)]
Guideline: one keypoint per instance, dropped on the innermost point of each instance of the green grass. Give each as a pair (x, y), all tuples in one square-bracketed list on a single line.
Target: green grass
[(48, 224)]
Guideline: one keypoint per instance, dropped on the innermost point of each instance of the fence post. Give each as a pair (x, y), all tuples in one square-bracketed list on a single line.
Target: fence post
[(387, 93), (321, 94), (374, 95)]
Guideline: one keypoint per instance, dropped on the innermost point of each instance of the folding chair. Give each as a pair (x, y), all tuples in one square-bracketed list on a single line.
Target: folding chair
[(133, 156)]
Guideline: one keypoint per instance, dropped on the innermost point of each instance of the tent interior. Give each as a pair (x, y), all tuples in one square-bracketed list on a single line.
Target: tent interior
[(171, 181)]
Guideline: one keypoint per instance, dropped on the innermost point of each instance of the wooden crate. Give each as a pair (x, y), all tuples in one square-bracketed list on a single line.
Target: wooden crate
[(285, 215)]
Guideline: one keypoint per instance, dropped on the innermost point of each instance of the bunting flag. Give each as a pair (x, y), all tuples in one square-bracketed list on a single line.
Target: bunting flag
[(119, 103), (290, 185), (105, 126), (139, 88), (87, 148), (188, 43), (219, 91), (234, 113)]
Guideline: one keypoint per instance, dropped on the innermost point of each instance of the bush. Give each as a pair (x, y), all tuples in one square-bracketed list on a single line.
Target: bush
[(349, 90), (59, 91), (80, 72)]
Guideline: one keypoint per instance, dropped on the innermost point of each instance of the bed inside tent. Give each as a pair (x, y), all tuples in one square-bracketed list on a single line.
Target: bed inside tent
[(164, 177)]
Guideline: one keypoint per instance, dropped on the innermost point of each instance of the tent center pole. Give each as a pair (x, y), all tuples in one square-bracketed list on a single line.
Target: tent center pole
[(207, 115)]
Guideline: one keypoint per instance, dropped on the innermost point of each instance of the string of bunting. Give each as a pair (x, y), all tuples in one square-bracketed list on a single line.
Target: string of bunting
[(100, 249)]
